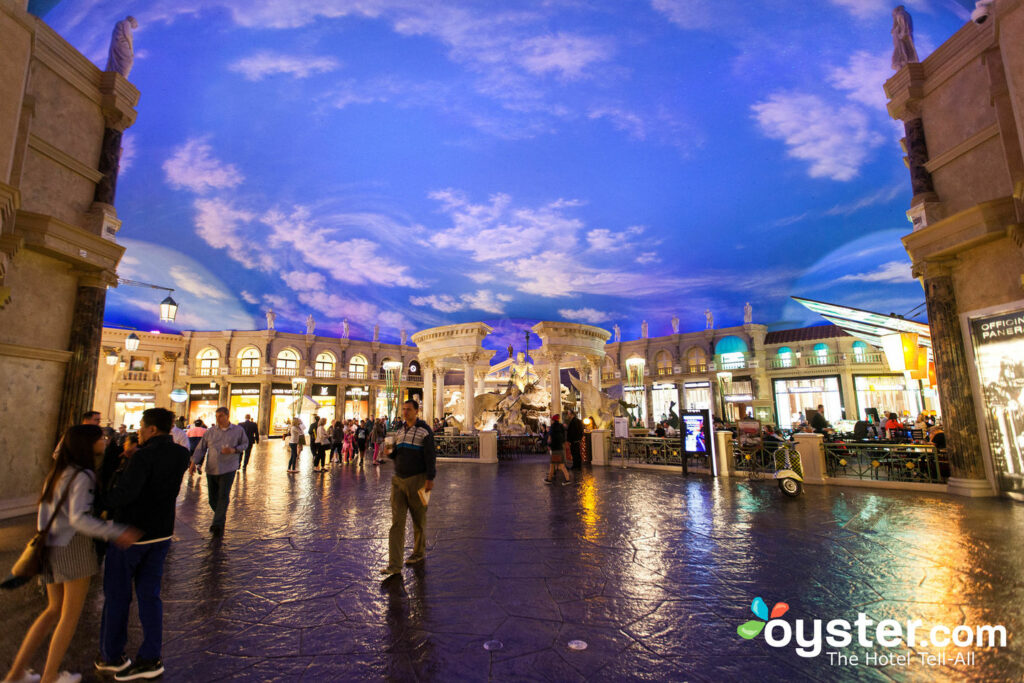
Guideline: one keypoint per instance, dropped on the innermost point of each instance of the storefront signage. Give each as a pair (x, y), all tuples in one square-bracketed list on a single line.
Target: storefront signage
[(203, 391), (281, 390), (358, 391), (324, 390), (739, 398), (135, 397), (245, 389), (697, 385)]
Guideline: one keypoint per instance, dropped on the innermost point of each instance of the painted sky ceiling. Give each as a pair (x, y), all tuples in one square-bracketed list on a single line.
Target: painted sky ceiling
[(411, 163)]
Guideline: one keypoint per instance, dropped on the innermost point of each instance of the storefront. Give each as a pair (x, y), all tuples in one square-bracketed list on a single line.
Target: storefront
[(357, 403), (738, 397), (282, 396), (888, 394), (664, 401), (635, 397), (387, 404), (128, 407), (697, 395), (245, 400), (794, 397), (203, 401), (326, 396)]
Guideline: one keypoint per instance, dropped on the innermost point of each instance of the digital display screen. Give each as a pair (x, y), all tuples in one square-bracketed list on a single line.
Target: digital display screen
[(696, 433)]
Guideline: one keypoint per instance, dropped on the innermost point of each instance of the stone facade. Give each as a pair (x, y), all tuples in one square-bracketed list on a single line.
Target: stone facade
[(965, 104), (57, 254)]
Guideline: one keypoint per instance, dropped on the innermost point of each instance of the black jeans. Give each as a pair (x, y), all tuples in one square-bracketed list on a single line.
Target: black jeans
[(293, 461), (318, 454), (575, 448), (218, 489), (243, 460)]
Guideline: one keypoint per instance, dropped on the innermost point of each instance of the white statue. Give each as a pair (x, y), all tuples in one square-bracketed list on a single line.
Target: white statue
[(405, 337), (709, 319), (643, 330), (271, 317), (903, 50), (748, 314), (310, 324), (122, 47), (675, 324), (376, 333), (618, 333), (344, 328)]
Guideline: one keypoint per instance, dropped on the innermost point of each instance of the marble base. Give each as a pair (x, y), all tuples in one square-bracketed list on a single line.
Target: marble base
[(971, 488)]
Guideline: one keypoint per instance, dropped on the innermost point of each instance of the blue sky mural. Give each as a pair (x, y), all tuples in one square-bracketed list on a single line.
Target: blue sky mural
[(410, 164)]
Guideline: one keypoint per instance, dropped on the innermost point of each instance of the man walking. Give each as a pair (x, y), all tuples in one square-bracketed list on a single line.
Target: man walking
[(574, 434), (252, 432), (221, 446), (415, 467), (143, 495)]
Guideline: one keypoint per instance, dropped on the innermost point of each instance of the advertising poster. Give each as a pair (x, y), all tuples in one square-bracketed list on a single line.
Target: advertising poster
[(999, 354), (696, 438)]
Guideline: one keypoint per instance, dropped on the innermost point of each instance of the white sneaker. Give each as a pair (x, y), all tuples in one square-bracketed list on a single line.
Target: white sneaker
[(68, 677), (29, 676)]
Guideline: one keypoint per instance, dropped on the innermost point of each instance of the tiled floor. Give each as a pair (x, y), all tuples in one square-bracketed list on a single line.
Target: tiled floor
[(652, 571)]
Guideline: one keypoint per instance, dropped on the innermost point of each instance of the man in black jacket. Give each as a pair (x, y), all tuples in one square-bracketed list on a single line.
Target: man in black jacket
[(415, 468), (142, 495), (252, 432), (574, 434)]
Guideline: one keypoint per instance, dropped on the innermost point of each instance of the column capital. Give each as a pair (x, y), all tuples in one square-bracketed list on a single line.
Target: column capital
[(931, 269)]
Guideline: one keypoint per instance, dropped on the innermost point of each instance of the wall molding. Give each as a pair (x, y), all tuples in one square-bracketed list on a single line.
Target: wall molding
[(34, 353)]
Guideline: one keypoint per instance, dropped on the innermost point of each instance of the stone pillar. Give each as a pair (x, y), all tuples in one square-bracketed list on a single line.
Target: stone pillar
[(812, 457), (649, 401), (599, 443), (725, 462), (439, 389), (954, 383), (371, 401), (427, 369), (469, 391), (265, 400), (339, 410), (488, 446), (84, 345), (917, 156), (556, 384)]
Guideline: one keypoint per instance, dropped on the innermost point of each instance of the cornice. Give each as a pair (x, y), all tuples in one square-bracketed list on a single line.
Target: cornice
[(962, 148), (981, 223), (35, 353), (69, 243), (64, 159)]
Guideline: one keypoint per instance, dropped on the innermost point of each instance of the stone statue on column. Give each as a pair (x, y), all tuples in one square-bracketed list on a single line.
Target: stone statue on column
[(709, 319), (618, 333), (344, 328), (310, 324), (748, 314), (271, 317), (903, 50), (675, 324), (376, 333), (122, 47), (643, 330), (405, 337)]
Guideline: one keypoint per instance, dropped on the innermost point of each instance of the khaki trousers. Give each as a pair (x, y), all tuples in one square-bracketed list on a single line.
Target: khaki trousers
[(405, 498)]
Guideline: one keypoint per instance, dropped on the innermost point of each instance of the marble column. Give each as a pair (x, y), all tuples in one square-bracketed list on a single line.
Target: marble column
[(427, 369), (263, 419), (469, 391), (371, 402), (917, 157), (649, 403), (84, 345), (556, 384), (439, 389), (339, 402), (954, 383)]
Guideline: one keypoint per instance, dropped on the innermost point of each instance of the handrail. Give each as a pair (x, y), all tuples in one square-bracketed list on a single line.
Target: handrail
[(921, 463)]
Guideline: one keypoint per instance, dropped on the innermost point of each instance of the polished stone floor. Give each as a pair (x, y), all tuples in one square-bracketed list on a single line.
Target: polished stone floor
[(654, 572)]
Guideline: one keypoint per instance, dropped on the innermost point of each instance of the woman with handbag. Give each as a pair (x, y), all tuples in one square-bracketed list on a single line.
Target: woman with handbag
[(296, 440), (62, 552)]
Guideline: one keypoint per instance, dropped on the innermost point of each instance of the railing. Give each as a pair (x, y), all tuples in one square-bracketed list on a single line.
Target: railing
[(737, 364), (770, 457), (777, 363), (696, 368), (357, 374), (920, 463), (664, 371), (511, 445), (140, 376), (822, 359), (457, 446), (248, 370), (644, 450), (286, 372), (323, 374), (869, 358), (208, 372)]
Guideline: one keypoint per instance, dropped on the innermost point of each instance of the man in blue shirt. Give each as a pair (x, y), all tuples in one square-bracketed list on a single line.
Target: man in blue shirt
[(221, 446)]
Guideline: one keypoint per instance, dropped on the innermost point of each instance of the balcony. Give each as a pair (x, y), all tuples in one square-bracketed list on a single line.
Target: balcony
[(874, 358), (357, 374), (323, 374), (208, 372), (140, 376), (697, 368), (286, 372), (663, 372), (818, 360), (248, 371)]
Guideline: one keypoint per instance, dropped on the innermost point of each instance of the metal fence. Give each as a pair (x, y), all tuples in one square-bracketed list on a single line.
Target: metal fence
[(512, 445), (920, 463), (457, 446), (644, 450)]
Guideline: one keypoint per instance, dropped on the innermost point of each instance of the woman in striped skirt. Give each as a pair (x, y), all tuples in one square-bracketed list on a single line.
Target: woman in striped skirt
[(70, 555)]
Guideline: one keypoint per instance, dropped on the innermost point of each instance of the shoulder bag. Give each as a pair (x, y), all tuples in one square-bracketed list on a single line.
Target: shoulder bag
[(32, 557)]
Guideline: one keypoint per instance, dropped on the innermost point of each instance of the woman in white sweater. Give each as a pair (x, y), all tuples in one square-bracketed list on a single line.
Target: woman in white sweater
[(296, 433), (71, 557)]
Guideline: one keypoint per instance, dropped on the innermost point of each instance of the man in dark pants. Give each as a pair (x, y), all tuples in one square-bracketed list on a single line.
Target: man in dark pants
[(142, 495), (221, 446), (415, 467), (574, 434), (252, 432)]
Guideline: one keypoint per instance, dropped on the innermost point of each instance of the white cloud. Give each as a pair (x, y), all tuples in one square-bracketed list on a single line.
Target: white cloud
[(872, 9), (602, 239), (194, 283), (249, 297), (480, 278), (689, 14), (193, 167), (481, 300), (863, 78), (218, 221), (128, 152), (563, 53), (584, 315), (304, 281), (647, 257), (883, 196), (834, 140), (893, 272), (262, 64)]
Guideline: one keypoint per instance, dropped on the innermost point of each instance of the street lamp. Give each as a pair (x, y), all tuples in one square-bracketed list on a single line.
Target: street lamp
[(111, 357), (168, 310), (132, 342)]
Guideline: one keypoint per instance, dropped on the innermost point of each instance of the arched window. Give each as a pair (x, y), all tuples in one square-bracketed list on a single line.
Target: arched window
[(821, 353), (357, 367), (209, 362), (785, 357), (287, 363), (663, 362), (249, 362), (731, 352), (325, 363), (859, 349), (697, 360), (414, 367)]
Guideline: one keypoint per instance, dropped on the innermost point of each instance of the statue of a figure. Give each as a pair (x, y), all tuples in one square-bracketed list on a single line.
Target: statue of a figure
[(344, 328), (122, 47), (405, 337), (271, 317), (510, 351), (903, 50), (618, 333), (376, 333), (709, 319), (643, 330), (675, 324), (748, 314), (310, 324)]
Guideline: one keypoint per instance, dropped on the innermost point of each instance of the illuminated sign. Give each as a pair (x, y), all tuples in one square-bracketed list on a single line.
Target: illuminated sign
[(135, 397), (245, 389), (203, 391)]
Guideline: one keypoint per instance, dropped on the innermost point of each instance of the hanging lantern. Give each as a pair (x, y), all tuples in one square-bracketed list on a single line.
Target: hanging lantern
[(921, 371), (932, 380), (168, 310), (901, 351), (132, 342), (111, 358), (122, 364), (158, 366)]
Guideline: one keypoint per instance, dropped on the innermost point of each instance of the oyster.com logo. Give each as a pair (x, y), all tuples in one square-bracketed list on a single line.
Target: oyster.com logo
[(752, 628)]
